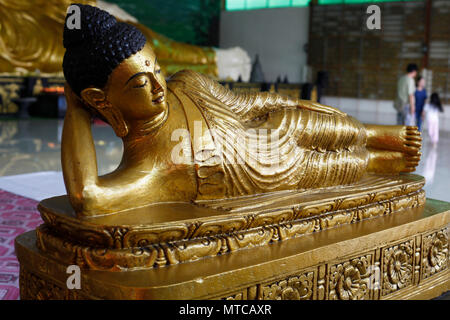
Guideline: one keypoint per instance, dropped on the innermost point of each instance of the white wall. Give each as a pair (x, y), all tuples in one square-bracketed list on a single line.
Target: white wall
[(277, 35)]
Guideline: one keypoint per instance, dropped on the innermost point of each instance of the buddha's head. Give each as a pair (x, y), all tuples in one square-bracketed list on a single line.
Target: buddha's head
[(112, 69)]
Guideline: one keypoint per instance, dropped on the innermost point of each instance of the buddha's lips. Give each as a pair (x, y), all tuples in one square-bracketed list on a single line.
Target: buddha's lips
[(159, 99)]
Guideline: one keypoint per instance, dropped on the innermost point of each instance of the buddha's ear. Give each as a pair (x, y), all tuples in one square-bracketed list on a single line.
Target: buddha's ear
[(96, 98)]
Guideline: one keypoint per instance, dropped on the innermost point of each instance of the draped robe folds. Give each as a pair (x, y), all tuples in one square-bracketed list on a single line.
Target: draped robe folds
[(254, 143)]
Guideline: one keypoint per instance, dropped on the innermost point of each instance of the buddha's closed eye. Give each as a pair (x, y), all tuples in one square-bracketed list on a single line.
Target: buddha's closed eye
[(141, 83)]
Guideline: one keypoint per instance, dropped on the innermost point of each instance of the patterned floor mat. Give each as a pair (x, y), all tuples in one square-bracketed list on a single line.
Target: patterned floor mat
[(17, 215)]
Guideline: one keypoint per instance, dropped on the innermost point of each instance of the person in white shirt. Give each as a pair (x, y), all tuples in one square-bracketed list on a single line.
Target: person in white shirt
[(405, 101)]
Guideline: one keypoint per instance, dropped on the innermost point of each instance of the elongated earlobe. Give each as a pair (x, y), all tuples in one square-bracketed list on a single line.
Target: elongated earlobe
[(115, 119), (96, 98)]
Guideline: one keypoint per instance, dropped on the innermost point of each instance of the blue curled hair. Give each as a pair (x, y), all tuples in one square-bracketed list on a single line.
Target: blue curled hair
[(95, 49)]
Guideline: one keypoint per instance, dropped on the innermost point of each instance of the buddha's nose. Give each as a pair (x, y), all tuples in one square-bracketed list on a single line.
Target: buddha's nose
[(156, 86)]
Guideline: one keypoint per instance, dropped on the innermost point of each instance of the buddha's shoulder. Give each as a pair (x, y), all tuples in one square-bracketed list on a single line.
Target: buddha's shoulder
[(188, 77)]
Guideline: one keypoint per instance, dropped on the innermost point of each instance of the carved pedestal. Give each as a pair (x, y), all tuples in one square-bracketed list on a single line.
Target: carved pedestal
[(376, 241)]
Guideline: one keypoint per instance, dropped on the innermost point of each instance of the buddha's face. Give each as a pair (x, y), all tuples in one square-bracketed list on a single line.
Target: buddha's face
[(137, 87)]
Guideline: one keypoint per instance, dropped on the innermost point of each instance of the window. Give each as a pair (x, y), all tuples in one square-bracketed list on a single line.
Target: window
[(231, 5)]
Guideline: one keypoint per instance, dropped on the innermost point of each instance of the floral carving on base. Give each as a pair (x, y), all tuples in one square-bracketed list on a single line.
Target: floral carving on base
[(397, 266), (292, 288), (350, 280), (435, 254), (35, 287)]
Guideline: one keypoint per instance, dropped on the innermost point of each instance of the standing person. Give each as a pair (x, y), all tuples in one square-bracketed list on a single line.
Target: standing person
[(420, 97), (432, 110), (405, 101)]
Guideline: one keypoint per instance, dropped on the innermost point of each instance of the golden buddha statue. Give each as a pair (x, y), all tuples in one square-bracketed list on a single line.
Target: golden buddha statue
[(225, 195), (191, 139)]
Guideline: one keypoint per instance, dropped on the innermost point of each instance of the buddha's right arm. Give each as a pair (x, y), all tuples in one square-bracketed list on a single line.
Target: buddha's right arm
[(251, 105), (248, 105), (78, 156)]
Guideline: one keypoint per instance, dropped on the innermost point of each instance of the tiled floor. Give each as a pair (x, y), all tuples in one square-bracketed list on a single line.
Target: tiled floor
[(34, 145)]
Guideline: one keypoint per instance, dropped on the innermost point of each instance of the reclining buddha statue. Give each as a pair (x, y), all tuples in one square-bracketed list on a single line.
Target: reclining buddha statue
[(190, 139)]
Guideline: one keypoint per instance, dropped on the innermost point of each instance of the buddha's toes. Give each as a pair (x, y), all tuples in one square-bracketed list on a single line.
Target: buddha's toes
[(404, 139), (411, 145), (393, 149), (411, 162), (411, 141), (391, 162)]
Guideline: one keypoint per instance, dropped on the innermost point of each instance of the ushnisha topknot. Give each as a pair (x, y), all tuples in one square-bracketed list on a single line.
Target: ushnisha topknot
[(97, 48)]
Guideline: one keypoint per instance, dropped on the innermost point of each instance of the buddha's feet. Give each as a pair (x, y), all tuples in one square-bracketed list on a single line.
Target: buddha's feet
[(393, 149), (391, 162)]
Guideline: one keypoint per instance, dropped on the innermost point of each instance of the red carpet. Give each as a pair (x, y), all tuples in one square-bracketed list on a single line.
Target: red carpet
[(17, 215)]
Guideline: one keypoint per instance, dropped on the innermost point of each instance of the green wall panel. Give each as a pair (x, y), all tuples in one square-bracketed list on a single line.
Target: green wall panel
[(192, 21)]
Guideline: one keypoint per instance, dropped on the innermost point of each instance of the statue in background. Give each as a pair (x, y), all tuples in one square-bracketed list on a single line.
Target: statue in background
[(111, 70), (31, 32)]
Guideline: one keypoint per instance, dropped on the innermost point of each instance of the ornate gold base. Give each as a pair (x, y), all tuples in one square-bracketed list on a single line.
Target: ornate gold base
[(172, 233), (395, 256)]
